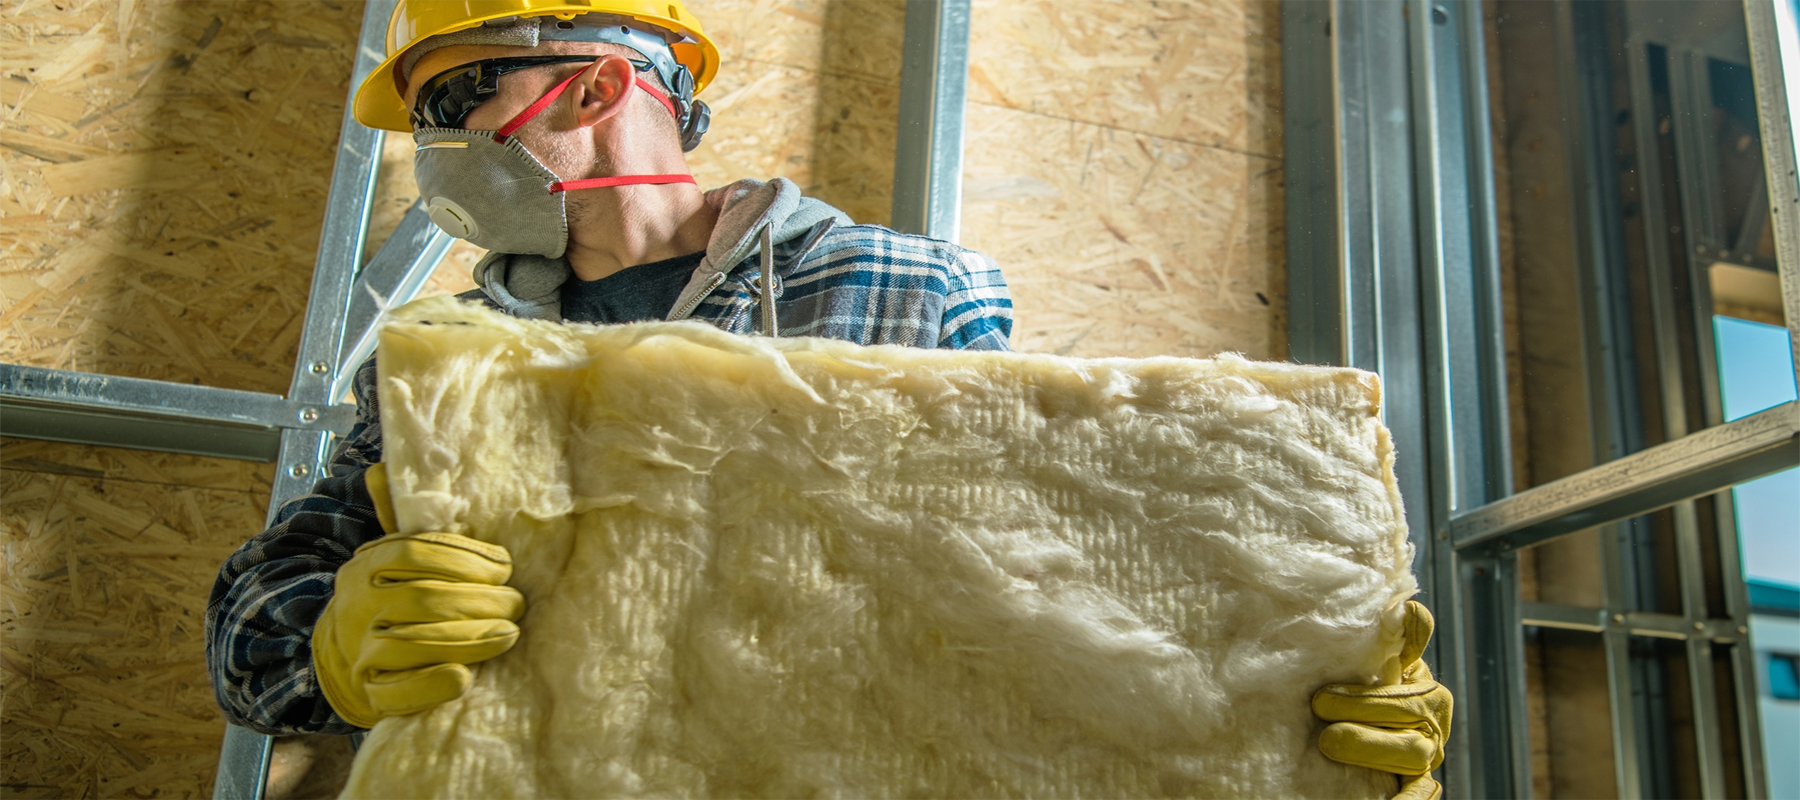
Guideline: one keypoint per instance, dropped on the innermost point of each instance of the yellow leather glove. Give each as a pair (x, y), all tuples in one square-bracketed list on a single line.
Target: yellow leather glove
[(408, 614), (1400, 728)]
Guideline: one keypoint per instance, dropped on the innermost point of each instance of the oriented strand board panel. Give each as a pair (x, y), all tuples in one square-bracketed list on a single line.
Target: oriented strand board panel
[(799, 567), (1121, 244), (163, 170), (807, 90), (1201, 71), (109, 555), (1123, 166), (1518, 422)]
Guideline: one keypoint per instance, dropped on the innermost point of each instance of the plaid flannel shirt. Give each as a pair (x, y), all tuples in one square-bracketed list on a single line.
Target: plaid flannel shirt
[(862, 283)]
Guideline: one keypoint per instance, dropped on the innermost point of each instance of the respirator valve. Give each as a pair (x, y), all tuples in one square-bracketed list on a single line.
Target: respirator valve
[(452, 218)]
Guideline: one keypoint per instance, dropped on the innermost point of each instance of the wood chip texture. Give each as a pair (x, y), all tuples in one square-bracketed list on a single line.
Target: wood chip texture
[(108, 557), (163, 171), (1123, 165)]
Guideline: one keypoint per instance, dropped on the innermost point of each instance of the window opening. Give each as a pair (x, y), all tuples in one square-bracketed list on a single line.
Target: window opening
[(1784, 676)]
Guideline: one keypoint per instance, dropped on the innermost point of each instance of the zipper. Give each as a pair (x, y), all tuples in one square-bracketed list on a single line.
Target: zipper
[(813, 239), (688, 307)]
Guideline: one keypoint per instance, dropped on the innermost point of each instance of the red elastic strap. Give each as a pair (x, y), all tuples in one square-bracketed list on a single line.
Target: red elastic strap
[(534, 109), (622, 180), (549, 97)]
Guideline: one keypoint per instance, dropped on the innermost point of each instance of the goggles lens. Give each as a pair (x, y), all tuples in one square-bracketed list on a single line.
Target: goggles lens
[(447, 99)]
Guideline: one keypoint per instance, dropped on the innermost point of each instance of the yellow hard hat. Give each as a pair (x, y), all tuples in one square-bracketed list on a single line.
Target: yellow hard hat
[(378, 101)]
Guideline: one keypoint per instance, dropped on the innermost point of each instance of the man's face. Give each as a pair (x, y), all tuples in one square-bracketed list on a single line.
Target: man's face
[(517, 89)]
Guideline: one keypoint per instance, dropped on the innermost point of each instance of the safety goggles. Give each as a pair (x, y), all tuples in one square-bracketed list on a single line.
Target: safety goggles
[(447, 99)]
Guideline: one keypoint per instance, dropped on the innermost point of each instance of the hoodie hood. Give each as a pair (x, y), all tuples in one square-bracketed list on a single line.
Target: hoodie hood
[(530, 286)]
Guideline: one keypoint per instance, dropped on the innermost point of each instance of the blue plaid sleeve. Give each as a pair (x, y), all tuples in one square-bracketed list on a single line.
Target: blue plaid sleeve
[(270, 593), (977, 305)]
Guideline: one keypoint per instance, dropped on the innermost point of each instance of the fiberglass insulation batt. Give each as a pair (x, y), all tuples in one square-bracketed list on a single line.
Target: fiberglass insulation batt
[(803, 568)]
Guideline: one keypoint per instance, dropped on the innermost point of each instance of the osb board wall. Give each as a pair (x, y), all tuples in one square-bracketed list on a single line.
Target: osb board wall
[(109, 555), (163, 171), (807, 90), (1123, 164), (163, 168)]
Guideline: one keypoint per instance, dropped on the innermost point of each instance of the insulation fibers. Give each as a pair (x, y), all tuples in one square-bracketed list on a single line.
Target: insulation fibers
[(803, 568)]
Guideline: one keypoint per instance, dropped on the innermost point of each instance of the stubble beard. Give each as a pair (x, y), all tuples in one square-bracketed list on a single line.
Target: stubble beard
[(569, 163)]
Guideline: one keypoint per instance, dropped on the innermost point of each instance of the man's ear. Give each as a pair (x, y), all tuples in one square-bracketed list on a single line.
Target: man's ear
[(604, 88)]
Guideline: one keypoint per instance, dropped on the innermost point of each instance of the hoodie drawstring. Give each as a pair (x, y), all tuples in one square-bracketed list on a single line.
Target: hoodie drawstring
[(769, 323), (765, 290)]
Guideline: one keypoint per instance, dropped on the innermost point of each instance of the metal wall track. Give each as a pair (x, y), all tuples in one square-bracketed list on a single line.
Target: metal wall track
[(928, 150)]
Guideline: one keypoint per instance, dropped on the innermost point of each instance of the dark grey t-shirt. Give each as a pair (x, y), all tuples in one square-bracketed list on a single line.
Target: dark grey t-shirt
[(633, 294)]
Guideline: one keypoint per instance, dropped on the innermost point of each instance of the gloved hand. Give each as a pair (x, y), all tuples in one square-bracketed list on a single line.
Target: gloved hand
[(1400, 728), (408, 614)]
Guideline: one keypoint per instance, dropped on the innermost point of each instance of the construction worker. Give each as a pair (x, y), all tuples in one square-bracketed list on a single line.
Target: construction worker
[(552, 134)]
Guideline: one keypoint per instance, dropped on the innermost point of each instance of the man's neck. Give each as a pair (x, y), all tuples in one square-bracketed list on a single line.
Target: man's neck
[(630, 225)]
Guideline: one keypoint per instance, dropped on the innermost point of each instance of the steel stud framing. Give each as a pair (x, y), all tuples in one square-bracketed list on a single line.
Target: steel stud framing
[(1402, 279)]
